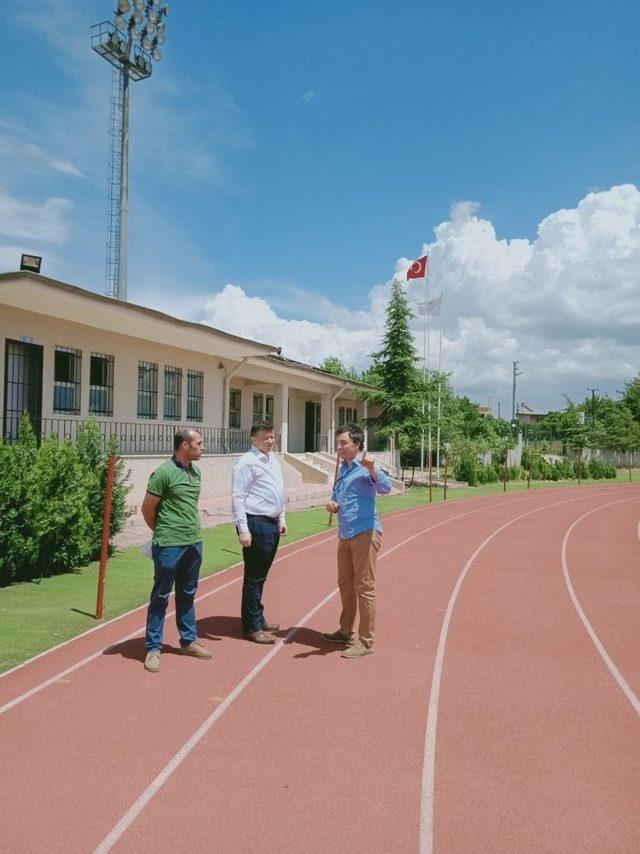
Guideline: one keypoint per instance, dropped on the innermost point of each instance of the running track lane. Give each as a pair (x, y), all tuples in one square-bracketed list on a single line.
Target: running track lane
[(136, 740), (538, 745)]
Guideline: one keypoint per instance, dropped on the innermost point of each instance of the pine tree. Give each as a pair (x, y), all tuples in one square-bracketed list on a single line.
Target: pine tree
[(400, 392)]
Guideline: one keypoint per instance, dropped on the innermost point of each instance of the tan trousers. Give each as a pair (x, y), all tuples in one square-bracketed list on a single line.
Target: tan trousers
[(357, 559)]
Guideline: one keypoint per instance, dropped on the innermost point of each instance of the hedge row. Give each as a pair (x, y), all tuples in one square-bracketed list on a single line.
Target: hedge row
[(472, 472), (52, 503)]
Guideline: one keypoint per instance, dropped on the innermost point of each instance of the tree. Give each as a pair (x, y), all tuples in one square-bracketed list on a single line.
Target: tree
[(631, 397), (333, 365), (401, 392)]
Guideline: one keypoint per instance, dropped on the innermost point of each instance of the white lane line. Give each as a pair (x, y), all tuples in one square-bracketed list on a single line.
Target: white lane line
[(61, 674), (131, 815), (234, 566), (428, 767), (626, 689)]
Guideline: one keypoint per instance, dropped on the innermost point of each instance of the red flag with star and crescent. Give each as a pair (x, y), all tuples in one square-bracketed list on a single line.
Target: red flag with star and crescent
[(418, 270)]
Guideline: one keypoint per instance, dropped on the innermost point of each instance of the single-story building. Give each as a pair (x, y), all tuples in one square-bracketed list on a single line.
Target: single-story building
[(67, 354)]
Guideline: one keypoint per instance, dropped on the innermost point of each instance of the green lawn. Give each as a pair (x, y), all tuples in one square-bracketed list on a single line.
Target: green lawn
[(35, 616)]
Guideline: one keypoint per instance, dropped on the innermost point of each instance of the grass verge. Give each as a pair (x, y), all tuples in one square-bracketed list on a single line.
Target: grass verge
[(37, 615)]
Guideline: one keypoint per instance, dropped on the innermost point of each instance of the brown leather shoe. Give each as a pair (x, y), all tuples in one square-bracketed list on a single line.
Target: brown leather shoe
[(196, 650), (260, 637), (271, 627)]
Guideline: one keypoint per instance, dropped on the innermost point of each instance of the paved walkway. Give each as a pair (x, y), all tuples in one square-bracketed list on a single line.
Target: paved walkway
[(217, 511)]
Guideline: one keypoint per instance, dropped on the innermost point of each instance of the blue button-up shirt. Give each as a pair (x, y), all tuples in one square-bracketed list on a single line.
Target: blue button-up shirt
[(355, 493)]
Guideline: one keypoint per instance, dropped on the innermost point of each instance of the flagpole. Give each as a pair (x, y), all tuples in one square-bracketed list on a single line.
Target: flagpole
[(428, 369), (439, 387), (424, 365)]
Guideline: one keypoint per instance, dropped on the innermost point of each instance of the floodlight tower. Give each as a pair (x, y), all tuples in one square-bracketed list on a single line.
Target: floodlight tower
[(130, 44)]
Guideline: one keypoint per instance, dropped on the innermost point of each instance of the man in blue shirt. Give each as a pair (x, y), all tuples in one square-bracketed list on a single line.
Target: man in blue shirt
[(360, 479)]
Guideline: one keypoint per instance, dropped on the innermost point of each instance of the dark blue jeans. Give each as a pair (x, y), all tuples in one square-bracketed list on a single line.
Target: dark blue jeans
[(265, 536), (179, 565)]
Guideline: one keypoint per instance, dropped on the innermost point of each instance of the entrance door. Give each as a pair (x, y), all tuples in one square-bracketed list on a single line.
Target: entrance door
[(22, 387), (311, 425)]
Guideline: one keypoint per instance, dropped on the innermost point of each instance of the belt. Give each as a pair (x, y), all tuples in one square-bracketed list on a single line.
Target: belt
[(273, 519)]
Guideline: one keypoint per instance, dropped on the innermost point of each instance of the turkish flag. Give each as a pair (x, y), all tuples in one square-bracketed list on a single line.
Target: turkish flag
[(418, 270)]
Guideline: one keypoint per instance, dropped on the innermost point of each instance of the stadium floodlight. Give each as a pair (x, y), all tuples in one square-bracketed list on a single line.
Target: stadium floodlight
[(130, 45)]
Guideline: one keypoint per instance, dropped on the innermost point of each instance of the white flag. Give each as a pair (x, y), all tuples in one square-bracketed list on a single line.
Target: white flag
[(434, 306)]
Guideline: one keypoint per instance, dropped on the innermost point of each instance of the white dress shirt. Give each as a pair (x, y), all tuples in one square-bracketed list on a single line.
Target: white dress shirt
[(257, 487)]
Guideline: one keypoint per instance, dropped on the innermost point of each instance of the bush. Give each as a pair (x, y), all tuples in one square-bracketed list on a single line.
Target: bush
[(95, 462), (18, 546), (58, 509), (597, 469), (52, 503), (466, 469)]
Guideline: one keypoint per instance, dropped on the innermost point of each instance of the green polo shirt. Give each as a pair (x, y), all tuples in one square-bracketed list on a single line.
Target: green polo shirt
[(178, 520)]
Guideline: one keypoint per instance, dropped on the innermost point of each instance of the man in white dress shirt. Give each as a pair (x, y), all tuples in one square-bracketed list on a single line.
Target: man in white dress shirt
[(258, 505)]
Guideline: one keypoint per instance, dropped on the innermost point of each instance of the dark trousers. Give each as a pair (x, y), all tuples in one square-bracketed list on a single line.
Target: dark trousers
[(265, 536), (179, 565)]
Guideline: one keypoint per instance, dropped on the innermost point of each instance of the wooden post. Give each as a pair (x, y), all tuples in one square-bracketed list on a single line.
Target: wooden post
[(430, 476), (111, 470), (446, 462), (629, 461), (506, 469), (530, 469), (335, 480)]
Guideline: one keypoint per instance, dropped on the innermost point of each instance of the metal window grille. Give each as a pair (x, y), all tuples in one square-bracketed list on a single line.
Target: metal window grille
[(235, 398), (101, 384), (172, 393), (147, 390), (258, 407), (195, 395), (346, 415), (67, 368), (268, 411)]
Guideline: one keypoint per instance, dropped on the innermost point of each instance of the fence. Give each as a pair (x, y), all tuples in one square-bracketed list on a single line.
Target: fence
[(138, 438)]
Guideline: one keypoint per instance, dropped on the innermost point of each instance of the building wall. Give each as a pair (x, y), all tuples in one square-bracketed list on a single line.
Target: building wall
[(216, 472), (127, 351)]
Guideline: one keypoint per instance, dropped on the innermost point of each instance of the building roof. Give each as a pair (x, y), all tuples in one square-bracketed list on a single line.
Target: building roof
[(146, 321)]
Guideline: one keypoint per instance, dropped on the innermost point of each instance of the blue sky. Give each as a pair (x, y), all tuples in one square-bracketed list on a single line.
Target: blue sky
[(296, 151)]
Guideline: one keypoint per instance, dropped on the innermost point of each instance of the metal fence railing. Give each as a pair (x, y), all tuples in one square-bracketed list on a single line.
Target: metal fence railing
[(140, 438)]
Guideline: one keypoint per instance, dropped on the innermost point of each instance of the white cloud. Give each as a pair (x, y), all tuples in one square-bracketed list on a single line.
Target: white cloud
[(24, 220), (565, 305)]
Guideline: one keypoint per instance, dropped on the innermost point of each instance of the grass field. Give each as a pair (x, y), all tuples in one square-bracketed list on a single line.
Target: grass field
[(37, 615)]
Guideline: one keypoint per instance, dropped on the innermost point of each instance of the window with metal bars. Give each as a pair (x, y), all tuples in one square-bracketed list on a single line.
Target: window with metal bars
[(347, 415), (67, 369), (235, 398), (101, 384), (268, 410), (195, 395), (258, 408), (172, 393), (147, 390)]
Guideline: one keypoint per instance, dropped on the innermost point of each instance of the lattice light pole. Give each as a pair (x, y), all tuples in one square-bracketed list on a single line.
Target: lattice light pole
[(131, 44)]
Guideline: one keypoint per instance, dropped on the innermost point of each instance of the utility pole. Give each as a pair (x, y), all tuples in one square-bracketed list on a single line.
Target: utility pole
[(593, 409), (516, 373)]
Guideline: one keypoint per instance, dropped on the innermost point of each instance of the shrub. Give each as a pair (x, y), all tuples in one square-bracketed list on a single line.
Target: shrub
[(466, 469), (52, 503), (58, 509), (95, 462), (597, 469), (18, 546)]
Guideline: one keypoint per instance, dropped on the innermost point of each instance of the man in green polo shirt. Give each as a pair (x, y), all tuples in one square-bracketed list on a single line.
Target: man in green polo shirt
[(170, 509)]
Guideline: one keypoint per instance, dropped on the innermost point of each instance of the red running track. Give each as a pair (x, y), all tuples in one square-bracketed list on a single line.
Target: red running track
[(500, 712)]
